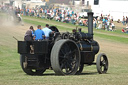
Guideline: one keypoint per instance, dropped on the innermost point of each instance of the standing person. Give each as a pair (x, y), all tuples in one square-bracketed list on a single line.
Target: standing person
[(113, 26), (54, 10), (45, 11), (47, 31), (103, 23), (126, 20), (68, 14), (39, 34), (94, 23), (28, 34), (101, 17), (60, 14), (63, 18), (123, 20), (108, 23)]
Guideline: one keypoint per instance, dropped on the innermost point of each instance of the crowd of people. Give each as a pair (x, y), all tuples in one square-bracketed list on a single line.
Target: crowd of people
[(56, 14), (125, 22), (104, 22), (70, 16)]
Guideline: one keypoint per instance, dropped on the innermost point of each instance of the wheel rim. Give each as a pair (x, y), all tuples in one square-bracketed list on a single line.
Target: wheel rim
[(102, 63), (67, 59)]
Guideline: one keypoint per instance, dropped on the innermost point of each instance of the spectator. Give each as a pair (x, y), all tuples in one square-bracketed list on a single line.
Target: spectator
[(80, 22), (103, 23), (39, 34), (94, 23), (127, 30), (126, 20), (112, 27), (101, 18), (123, 30), (108, 23), (85, 22)]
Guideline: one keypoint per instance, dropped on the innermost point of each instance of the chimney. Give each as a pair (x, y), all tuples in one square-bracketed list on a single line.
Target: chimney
[(90, 23)]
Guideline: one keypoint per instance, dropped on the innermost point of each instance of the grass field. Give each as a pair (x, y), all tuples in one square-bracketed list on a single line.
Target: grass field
[(114, 44)]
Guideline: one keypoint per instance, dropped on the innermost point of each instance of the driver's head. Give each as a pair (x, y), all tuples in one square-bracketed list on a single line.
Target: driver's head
[(47, 25)]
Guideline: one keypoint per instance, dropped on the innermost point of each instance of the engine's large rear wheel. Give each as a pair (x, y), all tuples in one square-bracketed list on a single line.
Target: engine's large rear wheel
[(65, 57), (30, 71)]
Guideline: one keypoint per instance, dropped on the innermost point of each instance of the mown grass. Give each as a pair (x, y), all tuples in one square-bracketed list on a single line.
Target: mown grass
[(113, 38), (12, 74), (62, 28)]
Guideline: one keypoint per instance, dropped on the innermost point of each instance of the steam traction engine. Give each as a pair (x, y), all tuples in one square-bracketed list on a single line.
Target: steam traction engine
[(66, 53)]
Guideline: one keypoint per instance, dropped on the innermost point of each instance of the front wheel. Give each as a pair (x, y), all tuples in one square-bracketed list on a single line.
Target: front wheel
[(30, 71), (102, 63)]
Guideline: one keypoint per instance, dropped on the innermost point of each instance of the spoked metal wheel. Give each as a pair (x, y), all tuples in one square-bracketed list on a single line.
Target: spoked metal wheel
[(65, 57), (102, 63), (30, 71)]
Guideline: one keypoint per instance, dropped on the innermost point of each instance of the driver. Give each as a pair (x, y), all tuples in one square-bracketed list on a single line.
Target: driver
[(47, 31)]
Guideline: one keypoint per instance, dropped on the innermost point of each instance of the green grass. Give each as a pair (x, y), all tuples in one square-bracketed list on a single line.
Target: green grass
[(113, 38), (12, 74), (62, 28)]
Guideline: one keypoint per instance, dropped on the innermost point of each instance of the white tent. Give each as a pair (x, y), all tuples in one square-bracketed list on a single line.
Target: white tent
[(116, 8)]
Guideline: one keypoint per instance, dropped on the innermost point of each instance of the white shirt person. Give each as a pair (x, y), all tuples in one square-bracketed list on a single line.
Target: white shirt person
[(47, 31)]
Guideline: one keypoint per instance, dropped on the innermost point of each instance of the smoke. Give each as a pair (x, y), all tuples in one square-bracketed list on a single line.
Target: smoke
[(8, 18)]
